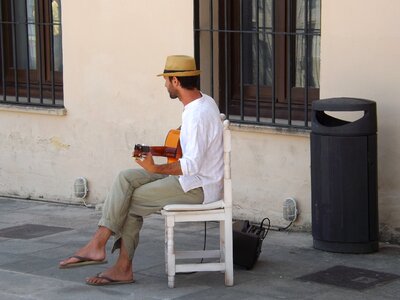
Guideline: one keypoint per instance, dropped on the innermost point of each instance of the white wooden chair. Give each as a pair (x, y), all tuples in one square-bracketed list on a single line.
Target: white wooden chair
[(216, 211)]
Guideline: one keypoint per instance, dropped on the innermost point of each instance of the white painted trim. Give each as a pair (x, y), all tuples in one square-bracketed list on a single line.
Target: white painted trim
[(270, 129), (33, 109)]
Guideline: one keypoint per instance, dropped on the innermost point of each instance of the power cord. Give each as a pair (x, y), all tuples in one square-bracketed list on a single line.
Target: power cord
[(88, 205), (205, 240), (278, 228), (204, 248), (262, 226), (284, 228)]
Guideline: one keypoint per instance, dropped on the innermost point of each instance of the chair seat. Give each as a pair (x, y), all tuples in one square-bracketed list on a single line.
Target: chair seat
[(194, 207)]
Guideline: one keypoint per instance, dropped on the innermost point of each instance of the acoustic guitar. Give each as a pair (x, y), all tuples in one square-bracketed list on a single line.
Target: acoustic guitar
[(171, 149)]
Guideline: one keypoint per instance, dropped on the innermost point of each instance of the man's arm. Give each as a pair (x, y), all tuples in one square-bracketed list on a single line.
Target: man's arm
[(167, 169)]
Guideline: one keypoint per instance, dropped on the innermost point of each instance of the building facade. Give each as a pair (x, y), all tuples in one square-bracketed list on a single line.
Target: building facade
[(263, 61)]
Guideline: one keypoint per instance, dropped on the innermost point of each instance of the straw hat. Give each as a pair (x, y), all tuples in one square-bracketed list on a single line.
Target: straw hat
[(180, 66)]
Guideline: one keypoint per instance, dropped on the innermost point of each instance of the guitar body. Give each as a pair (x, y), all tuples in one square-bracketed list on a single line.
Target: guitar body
[(171, 149), (172, 141)]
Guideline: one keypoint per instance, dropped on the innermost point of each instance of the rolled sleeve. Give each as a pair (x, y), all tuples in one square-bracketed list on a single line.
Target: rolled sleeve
[(184, 166), (189, 167)]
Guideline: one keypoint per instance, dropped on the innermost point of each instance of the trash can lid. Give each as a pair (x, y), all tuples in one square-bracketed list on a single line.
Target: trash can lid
[(343, 104), (325, 124)]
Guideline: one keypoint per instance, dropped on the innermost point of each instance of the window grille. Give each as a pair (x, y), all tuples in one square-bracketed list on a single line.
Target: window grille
[(260, 58), (31, 66)]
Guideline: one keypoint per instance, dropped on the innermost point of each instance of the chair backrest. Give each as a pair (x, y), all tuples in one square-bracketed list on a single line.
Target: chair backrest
[(227, 164)]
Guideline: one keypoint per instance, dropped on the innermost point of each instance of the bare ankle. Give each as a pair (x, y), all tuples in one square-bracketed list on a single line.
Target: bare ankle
[(101, 237)]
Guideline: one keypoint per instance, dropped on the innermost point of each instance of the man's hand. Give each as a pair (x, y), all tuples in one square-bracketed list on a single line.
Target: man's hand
[(147, 162)]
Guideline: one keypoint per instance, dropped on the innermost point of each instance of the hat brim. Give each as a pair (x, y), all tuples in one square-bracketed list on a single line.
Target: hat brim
[(181, 73)]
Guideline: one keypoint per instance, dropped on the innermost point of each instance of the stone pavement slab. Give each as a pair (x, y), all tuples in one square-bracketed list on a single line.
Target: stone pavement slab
[(29, 267)]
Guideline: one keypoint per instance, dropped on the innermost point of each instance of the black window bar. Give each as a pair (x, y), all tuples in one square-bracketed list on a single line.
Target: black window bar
[(31, 55), (286, 102)]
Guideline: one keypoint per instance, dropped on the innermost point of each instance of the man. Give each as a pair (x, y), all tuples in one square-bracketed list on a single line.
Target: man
[(195, 178)]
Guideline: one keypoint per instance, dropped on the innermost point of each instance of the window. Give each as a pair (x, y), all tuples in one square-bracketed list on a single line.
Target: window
[(31, 66), (261, 58)]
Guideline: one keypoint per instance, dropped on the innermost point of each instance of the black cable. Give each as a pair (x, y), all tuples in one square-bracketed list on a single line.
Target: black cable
[(272, 227), (204, 248), (262, 227), (282, 229), (205, 240)]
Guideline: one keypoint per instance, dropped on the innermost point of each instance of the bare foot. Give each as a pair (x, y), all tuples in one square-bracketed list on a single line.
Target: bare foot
[(93, 251), (114, 275), (87, 253)]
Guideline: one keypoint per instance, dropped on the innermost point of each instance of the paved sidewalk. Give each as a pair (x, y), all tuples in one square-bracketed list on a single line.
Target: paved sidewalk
[(29, 266)]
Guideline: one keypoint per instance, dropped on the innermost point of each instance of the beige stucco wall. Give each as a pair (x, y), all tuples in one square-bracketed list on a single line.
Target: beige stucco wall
[(360, 58), (113, 49), (112, 52), (268, 166)]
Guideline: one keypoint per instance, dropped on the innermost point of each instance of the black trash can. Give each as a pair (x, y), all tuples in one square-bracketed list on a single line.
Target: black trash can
[(344, 177)]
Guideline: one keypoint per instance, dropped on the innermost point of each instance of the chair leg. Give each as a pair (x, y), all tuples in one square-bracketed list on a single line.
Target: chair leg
[(170, 253), (228, 249), (222, 240), (171, 281), (166, 246)]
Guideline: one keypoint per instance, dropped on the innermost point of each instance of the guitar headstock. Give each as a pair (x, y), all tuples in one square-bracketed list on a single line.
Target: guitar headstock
[(140, 150)]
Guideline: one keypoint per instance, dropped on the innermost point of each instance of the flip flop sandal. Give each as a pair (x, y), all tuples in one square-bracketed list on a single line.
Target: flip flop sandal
[(83, 261), (109, 281)]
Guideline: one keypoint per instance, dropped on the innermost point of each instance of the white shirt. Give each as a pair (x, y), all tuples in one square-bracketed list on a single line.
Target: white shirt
[(202, 162)]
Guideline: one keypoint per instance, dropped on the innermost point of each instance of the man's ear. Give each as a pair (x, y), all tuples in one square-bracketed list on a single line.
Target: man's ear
[(175, 81)]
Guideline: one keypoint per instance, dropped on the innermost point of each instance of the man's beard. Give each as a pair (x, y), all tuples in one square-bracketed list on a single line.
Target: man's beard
[(173, 96)]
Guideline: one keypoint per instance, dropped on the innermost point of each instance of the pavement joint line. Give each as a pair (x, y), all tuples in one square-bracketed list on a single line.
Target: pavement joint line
[(37, 276), (77, 204)]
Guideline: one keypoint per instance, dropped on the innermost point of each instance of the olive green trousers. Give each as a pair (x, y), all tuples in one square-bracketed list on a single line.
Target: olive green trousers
[(136, 193)]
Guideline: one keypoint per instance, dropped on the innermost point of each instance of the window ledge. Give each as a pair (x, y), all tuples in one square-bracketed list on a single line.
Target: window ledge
[(290, 131), (34, 109)]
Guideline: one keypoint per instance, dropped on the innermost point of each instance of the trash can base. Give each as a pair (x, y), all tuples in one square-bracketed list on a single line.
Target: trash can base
[(355, 248)]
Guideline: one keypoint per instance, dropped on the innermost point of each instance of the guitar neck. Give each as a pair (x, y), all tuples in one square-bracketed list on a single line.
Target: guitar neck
[(163, 151), (171, 149)]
